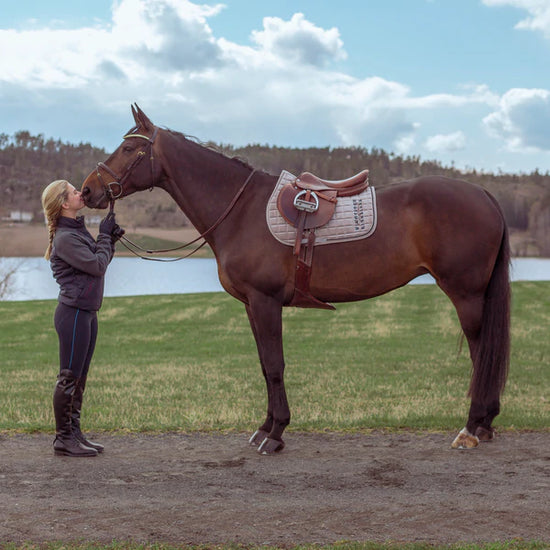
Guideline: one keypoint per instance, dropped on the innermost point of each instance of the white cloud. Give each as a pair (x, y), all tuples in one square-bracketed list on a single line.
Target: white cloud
[(300, 41), (479, 94), (168, 34), (45, 58), (279, 89), (455, 141), (145, 37), (405, 144), (522, 120), (539, 13), (163, 53)]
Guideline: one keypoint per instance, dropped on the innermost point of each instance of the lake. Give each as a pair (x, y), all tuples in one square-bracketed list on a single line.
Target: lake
[(134, 277)]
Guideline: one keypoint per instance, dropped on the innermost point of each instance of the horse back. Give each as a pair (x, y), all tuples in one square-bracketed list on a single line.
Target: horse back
[(437, 205)]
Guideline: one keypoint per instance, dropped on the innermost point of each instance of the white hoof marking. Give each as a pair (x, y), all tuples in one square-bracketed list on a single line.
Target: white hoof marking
[(465, 440)]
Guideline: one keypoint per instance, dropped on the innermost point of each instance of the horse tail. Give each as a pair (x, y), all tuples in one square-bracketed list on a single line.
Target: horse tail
[(492, 357)]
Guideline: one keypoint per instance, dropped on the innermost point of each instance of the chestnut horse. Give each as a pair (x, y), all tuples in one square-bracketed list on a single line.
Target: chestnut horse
[(451, 229)]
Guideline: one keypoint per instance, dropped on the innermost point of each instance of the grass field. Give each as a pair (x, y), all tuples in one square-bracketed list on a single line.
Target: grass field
[(189, 363)]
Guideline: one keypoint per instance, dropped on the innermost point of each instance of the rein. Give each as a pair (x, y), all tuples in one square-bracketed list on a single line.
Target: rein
[(134, 247)]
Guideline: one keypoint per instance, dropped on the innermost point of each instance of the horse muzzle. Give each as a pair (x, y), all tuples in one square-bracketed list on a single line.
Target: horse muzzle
[(91, 200)]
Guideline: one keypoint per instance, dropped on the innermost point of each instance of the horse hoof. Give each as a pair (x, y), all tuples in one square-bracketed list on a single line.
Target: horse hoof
[(258, 437), (465, 440), (270, 446), (485, 434)]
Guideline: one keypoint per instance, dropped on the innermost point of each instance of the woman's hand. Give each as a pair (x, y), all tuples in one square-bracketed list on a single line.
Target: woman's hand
[(107, 224), (117, 233)]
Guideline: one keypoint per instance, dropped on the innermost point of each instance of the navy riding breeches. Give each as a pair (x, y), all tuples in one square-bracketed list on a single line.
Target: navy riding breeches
[(77, 331)]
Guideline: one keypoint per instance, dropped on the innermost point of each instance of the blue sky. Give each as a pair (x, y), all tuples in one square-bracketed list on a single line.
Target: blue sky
[(459, 81)]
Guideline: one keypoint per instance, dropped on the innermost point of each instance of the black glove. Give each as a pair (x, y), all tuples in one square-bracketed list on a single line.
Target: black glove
[(107, 224), (117, 233)]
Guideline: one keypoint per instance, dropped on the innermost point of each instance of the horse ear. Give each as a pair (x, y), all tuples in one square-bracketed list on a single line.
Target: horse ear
[(142, 119), (135, 114)]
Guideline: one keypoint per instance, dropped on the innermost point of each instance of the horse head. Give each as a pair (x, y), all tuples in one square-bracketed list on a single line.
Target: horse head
[(125, 171)]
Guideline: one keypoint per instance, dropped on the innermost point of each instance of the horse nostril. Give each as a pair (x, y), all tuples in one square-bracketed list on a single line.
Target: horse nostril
[(86, 191)]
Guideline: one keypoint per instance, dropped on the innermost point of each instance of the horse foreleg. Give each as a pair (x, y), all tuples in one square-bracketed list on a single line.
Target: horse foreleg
[(265, 316), (262, 432)]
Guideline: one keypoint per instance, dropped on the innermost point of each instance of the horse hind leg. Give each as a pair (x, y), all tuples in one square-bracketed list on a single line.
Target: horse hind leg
[(489, 339), (485, 401)]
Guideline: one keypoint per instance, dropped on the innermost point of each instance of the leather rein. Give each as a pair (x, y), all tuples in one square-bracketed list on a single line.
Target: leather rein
[(119, 181)]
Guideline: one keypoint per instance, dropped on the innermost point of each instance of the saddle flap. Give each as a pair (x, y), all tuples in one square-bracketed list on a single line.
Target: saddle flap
[(323, 214)]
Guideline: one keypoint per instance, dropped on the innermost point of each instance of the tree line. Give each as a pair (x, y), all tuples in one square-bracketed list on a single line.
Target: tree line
[(29, 162)]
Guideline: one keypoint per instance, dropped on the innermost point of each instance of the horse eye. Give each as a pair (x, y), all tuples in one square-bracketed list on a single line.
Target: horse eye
[(127, 148)]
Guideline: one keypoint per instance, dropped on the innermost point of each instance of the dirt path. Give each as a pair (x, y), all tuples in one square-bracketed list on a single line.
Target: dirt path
[(320, 489)]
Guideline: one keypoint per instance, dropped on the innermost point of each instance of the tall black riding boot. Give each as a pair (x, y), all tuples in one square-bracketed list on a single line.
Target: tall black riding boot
[(77, 407), (65, 441)]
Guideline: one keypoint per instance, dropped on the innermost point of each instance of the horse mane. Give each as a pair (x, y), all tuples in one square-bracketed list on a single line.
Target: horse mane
[(211, 146)]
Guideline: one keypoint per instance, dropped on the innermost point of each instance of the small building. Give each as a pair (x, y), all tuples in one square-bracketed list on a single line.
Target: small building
[(20, 216)]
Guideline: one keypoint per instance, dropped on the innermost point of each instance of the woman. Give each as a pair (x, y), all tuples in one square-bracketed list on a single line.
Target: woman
[(78, 263)]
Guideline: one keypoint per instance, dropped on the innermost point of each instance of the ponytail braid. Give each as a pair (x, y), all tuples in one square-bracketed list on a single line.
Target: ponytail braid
[(53, 198)]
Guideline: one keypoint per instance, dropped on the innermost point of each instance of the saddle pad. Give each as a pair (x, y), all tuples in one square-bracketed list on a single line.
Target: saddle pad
[(354, 217)]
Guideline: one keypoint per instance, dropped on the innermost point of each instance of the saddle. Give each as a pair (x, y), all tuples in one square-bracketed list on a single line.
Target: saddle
[(345, 188), (308, 203)]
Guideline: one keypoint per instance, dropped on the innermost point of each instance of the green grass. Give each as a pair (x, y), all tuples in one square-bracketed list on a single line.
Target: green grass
[(189, 363)]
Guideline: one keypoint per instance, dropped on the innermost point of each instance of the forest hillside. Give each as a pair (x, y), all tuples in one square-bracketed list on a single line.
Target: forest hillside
[(28, 163)]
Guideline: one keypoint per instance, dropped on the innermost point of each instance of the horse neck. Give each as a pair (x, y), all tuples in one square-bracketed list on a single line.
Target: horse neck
[(200, 180)]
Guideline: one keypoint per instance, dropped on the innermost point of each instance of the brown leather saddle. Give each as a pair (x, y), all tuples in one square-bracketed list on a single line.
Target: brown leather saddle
[(308, 203)]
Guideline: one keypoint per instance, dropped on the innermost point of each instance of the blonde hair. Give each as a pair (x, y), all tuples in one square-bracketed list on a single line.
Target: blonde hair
[(53, 197)]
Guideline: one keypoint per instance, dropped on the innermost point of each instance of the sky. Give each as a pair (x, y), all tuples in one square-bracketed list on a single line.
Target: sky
[(462, 82)]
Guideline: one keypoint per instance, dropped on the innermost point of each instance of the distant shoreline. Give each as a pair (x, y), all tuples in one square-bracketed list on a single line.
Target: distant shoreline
[(28, 240)]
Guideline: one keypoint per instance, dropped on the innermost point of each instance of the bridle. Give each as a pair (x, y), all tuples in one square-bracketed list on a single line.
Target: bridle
[(108, 188), (119, 181)]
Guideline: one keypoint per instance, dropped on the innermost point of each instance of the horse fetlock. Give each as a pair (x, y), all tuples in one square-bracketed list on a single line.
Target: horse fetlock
[(465, 440), (485, 434)]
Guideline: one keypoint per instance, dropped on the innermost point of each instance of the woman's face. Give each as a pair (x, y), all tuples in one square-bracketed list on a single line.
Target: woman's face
[(74, 201)]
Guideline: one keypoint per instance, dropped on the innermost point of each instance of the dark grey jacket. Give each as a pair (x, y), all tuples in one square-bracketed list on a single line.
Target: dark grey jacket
[(79, 263)]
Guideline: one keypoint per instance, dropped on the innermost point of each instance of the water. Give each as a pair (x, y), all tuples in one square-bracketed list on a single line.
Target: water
[(134, 277), (33, 279)]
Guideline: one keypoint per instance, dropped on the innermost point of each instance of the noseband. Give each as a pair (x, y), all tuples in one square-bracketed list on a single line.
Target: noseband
[(113, 190)]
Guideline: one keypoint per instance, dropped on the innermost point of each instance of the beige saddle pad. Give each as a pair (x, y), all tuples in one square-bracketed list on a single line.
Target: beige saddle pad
[(354, 217)]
